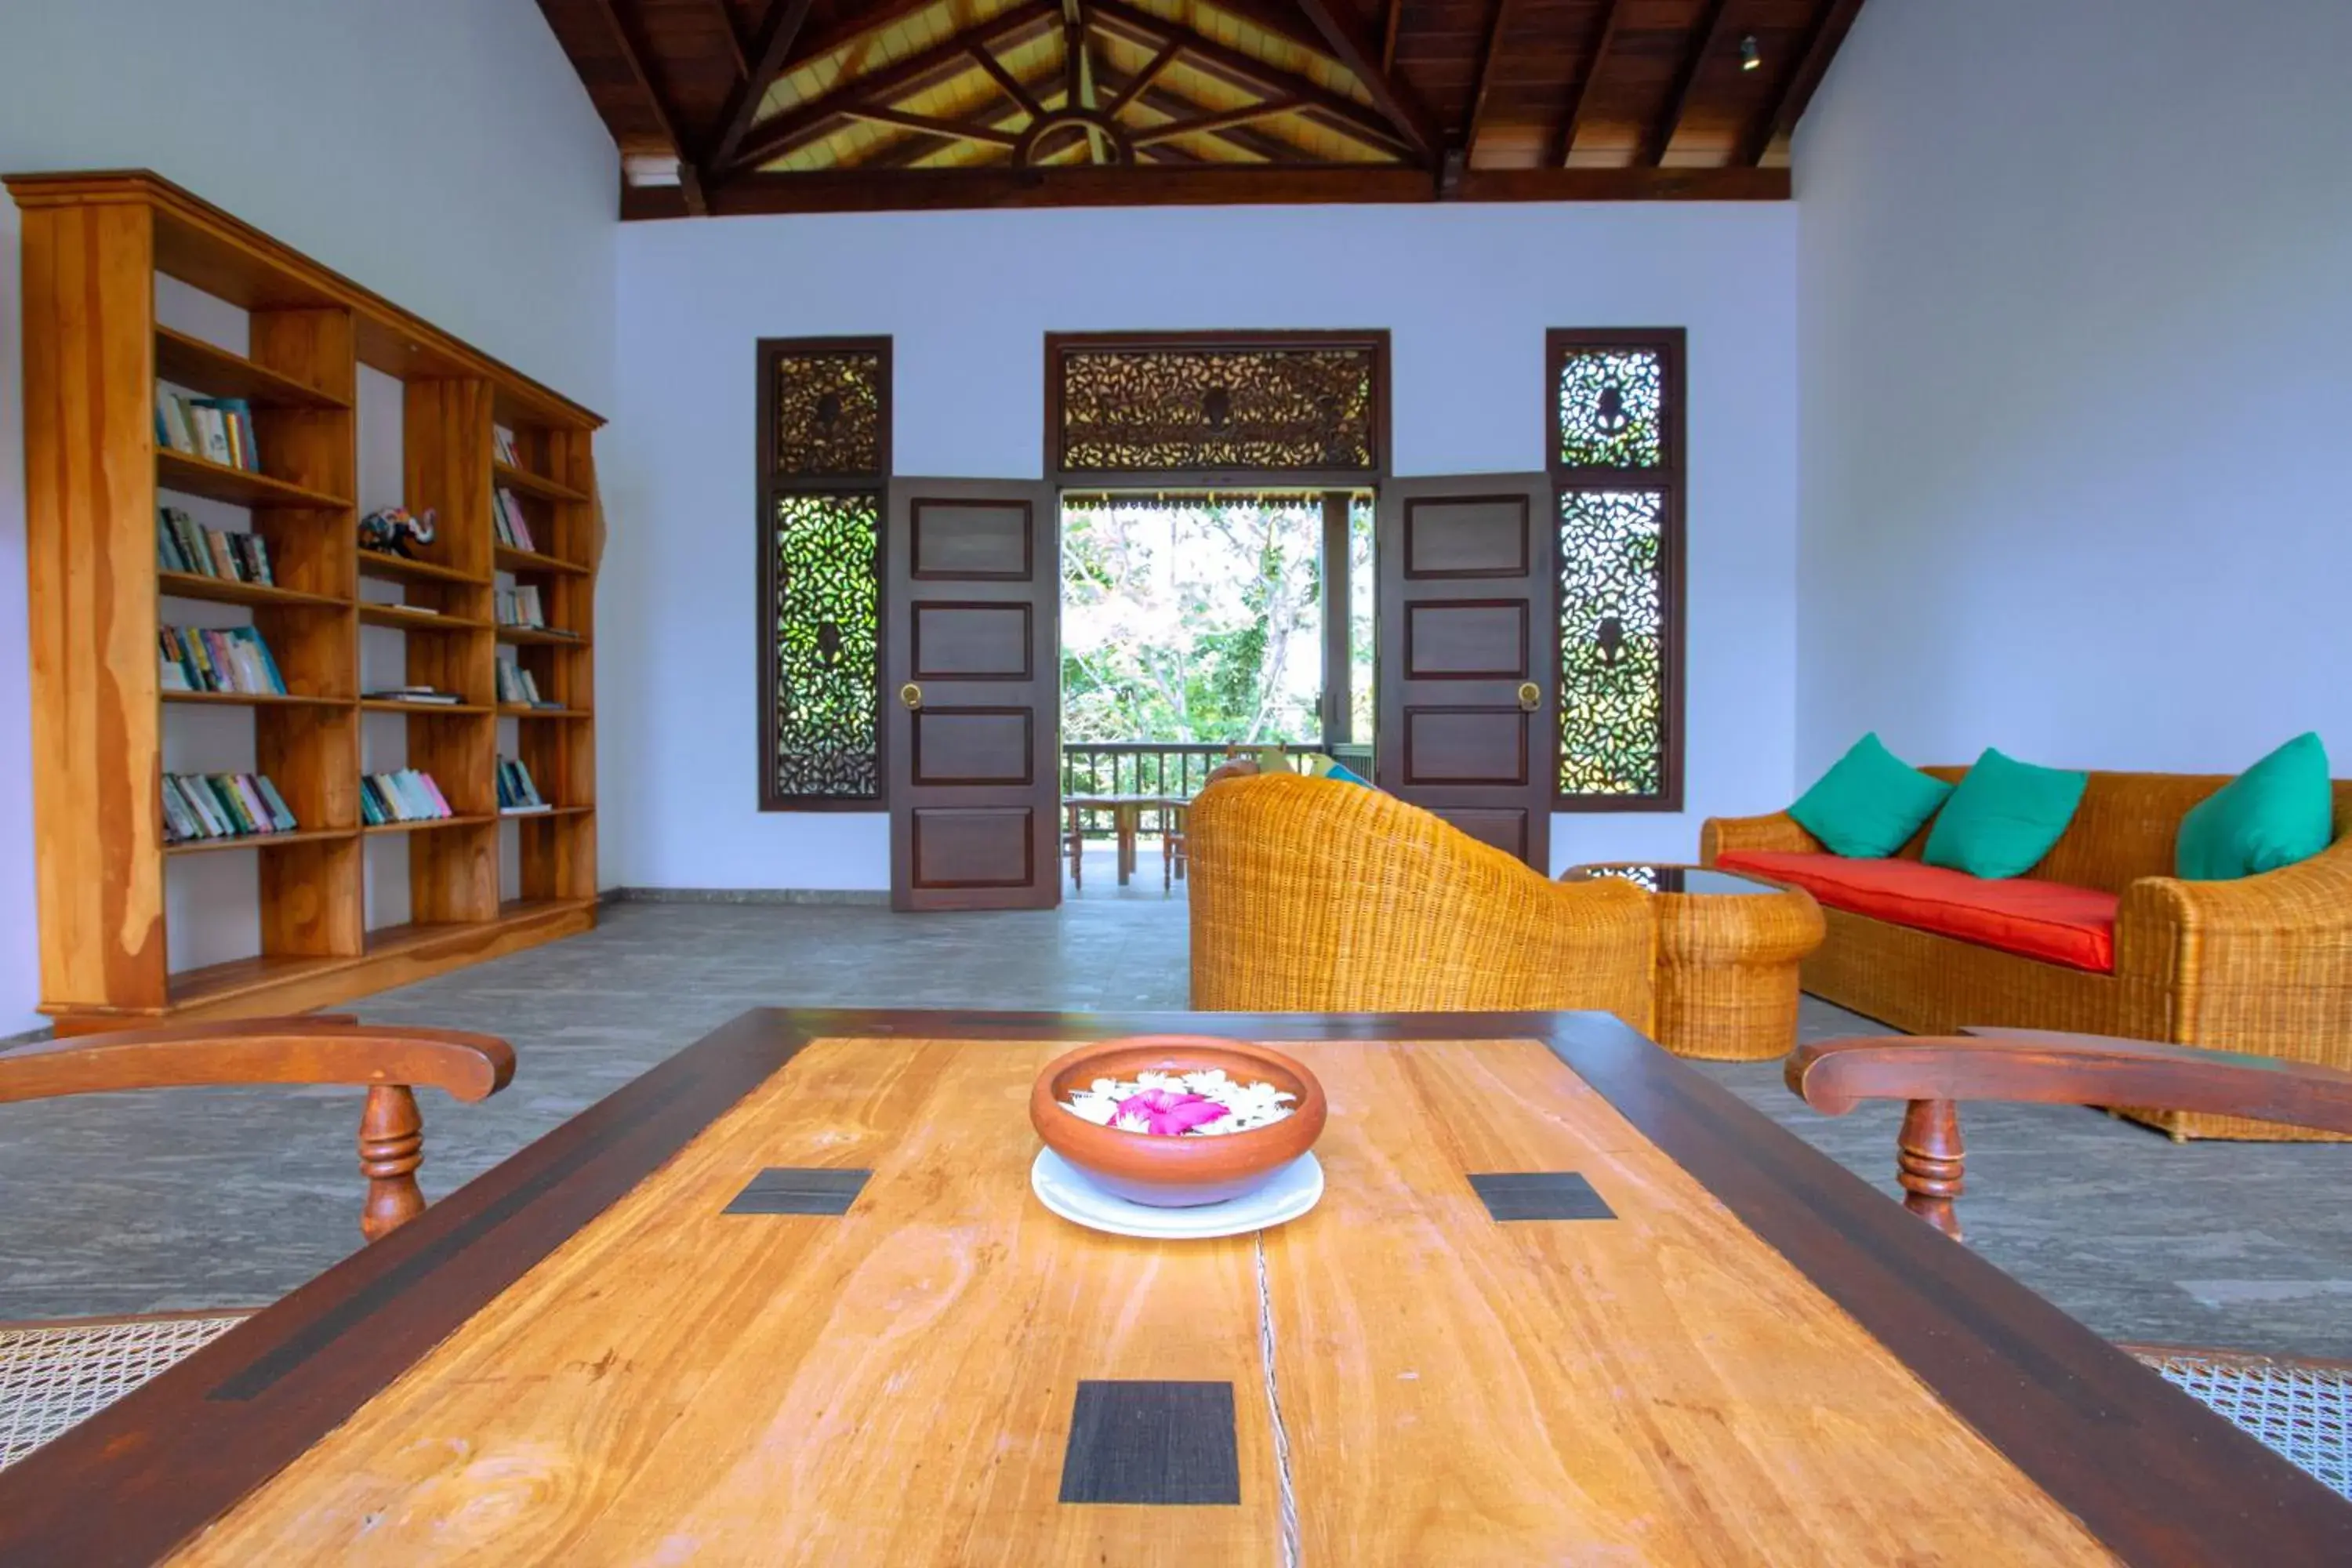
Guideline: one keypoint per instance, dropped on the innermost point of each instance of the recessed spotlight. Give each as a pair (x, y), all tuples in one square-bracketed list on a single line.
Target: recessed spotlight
[(1751, 56)]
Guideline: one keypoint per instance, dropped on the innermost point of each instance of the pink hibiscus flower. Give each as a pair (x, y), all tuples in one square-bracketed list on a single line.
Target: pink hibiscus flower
[(1168, 1112)]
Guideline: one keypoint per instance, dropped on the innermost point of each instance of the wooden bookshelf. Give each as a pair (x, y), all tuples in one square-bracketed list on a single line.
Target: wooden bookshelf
[(93, 245)]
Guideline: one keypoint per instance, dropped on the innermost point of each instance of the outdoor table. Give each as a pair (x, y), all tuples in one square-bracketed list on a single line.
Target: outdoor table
[(1127, 818), (788, 1298)]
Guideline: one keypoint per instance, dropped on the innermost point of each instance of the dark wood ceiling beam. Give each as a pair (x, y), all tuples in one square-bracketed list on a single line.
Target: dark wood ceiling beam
[(1227, 121), (634, 53), (1254, 140), (958, 130), (864, 190), (1248, 73), (1497, 19), (1580, 97), (1705, 39), (871, 17), (723, 14), (781, 133), (1829, 30), (1389, 35), (1390, 94), (1141, 82), (774, 44), (1015, 88)]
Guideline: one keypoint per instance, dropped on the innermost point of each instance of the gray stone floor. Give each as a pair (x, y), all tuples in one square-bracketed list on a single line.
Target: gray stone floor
[(158, 1201)]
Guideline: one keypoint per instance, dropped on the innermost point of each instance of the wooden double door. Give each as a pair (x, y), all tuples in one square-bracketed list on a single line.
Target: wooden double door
[(1467, 655)]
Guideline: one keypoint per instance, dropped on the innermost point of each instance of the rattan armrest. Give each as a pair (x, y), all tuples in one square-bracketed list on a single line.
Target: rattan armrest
[(1779, 833), (2261, 962)]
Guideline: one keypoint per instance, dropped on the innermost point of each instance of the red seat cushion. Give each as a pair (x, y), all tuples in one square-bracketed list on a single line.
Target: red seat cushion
[(2048, 921)]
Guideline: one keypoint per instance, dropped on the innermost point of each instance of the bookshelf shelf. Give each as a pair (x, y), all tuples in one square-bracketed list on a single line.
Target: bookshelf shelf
[(425, 709), (259, 840), (229, 591), (531, 484), (96, 476), (400, 568), (256, 700), (407, 618), (540, 636), (238, 487), (193, 363), (509, 558), (430, 822), (520, 710)]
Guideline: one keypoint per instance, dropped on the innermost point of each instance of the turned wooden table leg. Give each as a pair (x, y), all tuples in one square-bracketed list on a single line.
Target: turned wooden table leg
[(392, 1145), (1929, 1161)]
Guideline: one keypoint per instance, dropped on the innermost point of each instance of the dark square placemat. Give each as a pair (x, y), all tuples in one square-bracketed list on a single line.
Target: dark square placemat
[(1164, 1443), (1539, 1194), (799, 1189)]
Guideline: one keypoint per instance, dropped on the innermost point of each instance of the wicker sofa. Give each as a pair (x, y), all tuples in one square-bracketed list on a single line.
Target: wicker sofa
[(2261, 965), (1313, 895)]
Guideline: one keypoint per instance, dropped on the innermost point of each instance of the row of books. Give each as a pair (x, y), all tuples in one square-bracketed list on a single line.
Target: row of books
[(431, 696), (222, 806), (219, 429), (518, 687), (503, 447), (407, 795), (507, 522), (518, 796), (218, 659), (184, 545), (520, 606)]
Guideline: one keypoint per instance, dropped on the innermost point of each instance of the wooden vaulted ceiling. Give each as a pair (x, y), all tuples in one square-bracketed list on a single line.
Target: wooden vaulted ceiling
[(728, 106)]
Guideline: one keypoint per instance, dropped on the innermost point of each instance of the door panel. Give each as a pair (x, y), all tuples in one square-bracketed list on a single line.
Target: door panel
[(1469, 656), (975, 694)]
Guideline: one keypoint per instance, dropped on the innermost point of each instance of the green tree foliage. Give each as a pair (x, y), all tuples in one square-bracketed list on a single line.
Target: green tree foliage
[(1191, 621)]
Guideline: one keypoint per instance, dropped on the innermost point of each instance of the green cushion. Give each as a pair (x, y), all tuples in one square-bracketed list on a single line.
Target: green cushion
[(1869, 802), (2278, 811), (2003, 816)]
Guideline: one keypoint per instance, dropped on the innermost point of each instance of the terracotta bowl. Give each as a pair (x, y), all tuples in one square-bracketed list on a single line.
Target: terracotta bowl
[(1176, 1173)]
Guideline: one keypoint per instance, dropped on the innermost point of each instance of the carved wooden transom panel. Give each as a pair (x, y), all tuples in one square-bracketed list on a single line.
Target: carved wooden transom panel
[(1312, 404)]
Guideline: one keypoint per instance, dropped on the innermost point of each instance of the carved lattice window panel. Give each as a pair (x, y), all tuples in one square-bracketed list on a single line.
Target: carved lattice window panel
[(825, 457), (827, 633), (1617, 463), (1612, 643), (1611, 401), (1305, 405), (829, 413)]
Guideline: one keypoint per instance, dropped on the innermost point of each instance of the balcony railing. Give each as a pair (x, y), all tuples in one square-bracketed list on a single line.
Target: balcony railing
[(1174, 768)]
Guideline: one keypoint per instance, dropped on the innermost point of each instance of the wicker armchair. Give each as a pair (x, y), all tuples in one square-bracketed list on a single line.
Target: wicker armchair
[(1313, 895), (2263, 965)]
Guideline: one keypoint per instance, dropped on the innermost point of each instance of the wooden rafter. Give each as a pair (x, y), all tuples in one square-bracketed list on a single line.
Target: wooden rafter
[(1581, 97), (1141, 82), (1497, 20), (1829, 30), (1255, 141), (779, 134), (1343, 33), (1231, 118), (634, 53), (960, 129), (724, 15), (1703, 41), (1015, 88), (1333, 109), (1389, 25), (777, 34)]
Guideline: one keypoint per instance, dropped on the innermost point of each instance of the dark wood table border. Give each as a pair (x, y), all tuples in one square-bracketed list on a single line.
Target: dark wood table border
[(2148, 1470)]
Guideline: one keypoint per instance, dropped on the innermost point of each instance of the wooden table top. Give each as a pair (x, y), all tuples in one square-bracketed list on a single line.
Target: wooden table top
[(654, 1336)]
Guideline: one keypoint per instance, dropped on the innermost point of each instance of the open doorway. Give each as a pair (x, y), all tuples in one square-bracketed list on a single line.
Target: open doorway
[(1195, 623)]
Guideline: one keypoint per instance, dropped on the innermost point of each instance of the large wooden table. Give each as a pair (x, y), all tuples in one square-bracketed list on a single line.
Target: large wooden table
[(1731, 1351)]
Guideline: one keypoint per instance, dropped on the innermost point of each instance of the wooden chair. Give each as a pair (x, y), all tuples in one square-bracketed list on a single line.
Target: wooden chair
[(2301, 1408), (54, 1374)]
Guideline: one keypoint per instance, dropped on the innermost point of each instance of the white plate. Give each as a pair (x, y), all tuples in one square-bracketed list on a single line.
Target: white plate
[(1064, 1188)]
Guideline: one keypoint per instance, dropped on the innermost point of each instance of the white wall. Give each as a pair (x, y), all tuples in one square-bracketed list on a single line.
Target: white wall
[(440, 152), (1466, 292), (2076, 310)]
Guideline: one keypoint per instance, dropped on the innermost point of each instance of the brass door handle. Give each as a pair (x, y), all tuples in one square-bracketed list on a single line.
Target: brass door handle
[(911, 695), (1531, 696)]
